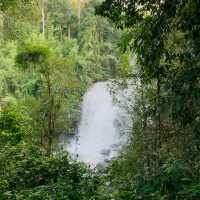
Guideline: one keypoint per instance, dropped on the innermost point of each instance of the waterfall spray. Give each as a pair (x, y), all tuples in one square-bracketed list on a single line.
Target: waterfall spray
[(99, 137)]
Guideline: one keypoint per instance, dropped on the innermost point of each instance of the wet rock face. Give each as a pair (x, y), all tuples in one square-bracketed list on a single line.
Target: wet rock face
[(106, 152)]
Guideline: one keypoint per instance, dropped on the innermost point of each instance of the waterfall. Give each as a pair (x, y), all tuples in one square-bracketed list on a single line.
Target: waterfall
[(99, 138)]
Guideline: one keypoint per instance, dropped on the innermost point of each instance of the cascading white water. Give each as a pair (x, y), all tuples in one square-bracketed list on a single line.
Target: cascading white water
[(99, 137)]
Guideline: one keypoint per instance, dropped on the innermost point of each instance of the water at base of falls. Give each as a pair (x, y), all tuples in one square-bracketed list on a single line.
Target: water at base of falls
[(99, 138)]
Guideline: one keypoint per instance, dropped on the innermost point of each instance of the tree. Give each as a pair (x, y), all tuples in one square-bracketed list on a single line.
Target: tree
[(164, 35), (55, 74)]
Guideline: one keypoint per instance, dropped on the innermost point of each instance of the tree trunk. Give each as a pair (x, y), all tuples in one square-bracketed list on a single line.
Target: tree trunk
[(158, 111), (69, 31), (43, 17), (158, 138), (79, 12), (50, 111)]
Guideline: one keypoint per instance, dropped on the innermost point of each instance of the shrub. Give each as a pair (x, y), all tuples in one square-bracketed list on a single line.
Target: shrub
[(32, 54)]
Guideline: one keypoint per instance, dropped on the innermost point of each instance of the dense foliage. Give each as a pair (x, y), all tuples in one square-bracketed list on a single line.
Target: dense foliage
[(162, 159), (51, 51), (29, 174)]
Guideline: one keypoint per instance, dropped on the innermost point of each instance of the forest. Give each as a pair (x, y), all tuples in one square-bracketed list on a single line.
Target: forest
[(53, 51)]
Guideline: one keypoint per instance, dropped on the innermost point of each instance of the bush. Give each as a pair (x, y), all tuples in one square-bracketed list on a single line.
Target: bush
[(30, 174), (12, 126)]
